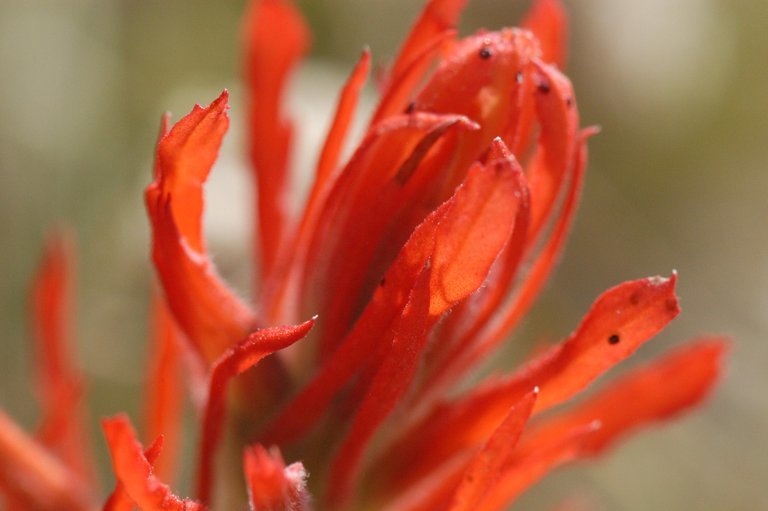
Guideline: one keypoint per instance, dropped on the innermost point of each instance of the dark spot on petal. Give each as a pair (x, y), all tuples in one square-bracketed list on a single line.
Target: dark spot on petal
[(569, 101), (411, 107), (543, 87), (519, 77), (634, 298), (382, 281), (614, 339), (672, 304), (485, 53)]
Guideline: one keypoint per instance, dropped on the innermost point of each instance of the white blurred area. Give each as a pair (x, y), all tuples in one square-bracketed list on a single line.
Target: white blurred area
[(677, 180)]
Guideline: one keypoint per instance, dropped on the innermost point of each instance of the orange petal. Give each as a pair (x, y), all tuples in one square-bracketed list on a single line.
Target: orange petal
[(164, 392), (119, 500), (676, 382), (509, 315), (660, 390), (59, 381), (233, 362), (634, 311), (32, 477), (485, 468), (437, 17), (209, 313), (548, 21), (134, 471), (374, 206), (283, 280), (526, 468), (271, 485), (391, 381), (276, 38), (462, 238)]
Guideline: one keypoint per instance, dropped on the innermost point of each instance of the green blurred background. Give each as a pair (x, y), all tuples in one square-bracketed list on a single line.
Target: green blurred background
[(677, 180)]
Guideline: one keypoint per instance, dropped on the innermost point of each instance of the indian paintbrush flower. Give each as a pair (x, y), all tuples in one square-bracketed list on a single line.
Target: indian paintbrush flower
[(412, 261)]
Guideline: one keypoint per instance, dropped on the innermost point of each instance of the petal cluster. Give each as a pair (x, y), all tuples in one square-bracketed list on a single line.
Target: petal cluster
[(410, 264)]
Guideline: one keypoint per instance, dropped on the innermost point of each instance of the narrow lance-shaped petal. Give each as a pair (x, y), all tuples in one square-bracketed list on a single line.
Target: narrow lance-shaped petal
[(164, 394), (275, 39), (35, 478), (618, 322), (59, 382), (119, 500), (134, 471), (658, 391), (233, 362), (211, 315)]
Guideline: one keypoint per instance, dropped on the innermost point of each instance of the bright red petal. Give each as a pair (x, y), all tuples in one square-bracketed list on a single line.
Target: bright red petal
[(59, 382), (281, 288), (548, 21), (634, 311), (437, 17), (134, 471), (485, 468), (662, 389), (389, 384), (164, 391), (271, 485), (276, 37), (461, 238), (34, 478), (210, 314), (119, 500), (233, 362)]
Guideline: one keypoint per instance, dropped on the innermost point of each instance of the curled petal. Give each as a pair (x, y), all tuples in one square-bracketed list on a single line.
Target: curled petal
[(134, 471), (233, 362), (211, 315), (271, 485)]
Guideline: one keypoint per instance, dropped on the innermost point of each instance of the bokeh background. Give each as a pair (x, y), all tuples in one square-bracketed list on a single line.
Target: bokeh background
[(677, 180)]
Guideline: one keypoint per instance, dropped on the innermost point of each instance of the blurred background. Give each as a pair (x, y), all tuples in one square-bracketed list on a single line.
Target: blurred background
[(677, 180)]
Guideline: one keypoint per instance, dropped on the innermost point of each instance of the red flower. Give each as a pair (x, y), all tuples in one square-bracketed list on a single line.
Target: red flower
[(415, 259)]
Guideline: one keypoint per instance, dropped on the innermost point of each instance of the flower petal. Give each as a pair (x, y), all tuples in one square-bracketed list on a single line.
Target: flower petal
[(164, 392), (634, 311), (210, 314), (391, 381), (281, 287), (548, 21), (377, 202), (59, 381), (119, 500), (276, 37), (271, 485), (134, 471), (662, 389), (437, 17), (461, 238), (31, 476), (233, 362), (485, 468)]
